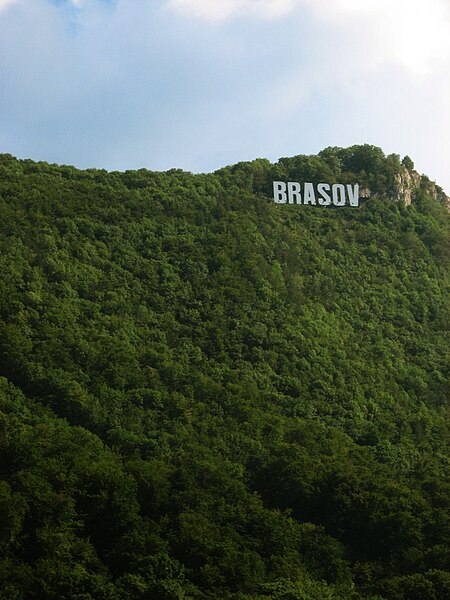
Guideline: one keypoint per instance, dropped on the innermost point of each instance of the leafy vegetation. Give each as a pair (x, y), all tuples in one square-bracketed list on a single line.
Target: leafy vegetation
[(204, 394)]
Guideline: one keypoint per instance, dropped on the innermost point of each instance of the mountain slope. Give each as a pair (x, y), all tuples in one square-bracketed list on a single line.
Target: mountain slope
[(206, 394)]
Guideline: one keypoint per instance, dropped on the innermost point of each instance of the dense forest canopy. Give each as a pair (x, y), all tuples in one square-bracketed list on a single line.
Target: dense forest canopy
[(206, 395)]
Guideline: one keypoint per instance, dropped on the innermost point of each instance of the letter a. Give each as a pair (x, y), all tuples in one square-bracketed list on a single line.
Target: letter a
[(309, 195)]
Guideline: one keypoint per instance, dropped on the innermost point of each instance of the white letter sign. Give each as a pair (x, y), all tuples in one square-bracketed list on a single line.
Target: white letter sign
[(326, 194)]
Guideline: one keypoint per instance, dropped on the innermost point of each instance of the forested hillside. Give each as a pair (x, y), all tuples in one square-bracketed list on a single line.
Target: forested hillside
[(206, 395)]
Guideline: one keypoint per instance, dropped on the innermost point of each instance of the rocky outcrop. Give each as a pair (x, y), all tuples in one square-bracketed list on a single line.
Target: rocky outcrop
[(406, 183), (364, 192)]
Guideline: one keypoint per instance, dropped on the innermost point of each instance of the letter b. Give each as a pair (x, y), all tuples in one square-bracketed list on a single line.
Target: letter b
[(279, 192)]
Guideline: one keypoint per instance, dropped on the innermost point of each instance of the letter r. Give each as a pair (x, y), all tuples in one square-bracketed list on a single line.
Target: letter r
[(294, 194)]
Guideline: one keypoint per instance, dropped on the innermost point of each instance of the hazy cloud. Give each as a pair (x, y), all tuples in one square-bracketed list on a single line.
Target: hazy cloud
[(218, 10), (413, 33), (5, 3)]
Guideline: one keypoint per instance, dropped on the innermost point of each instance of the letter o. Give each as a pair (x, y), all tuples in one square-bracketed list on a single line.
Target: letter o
[(338, 192)]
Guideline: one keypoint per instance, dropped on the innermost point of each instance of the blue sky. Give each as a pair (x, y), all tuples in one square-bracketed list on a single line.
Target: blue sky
[(198, 84)]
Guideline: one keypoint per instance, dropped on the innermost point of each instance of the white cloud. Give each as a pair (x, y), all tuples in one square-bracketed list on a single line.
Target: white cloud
[(381, 71), (5, 3), (415, 34), (219, 10), (81, 3)]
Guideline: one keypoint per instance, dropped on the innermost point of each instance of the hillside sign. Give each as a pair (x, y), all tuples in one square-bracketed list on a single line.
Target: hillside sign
[(324, 194)]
